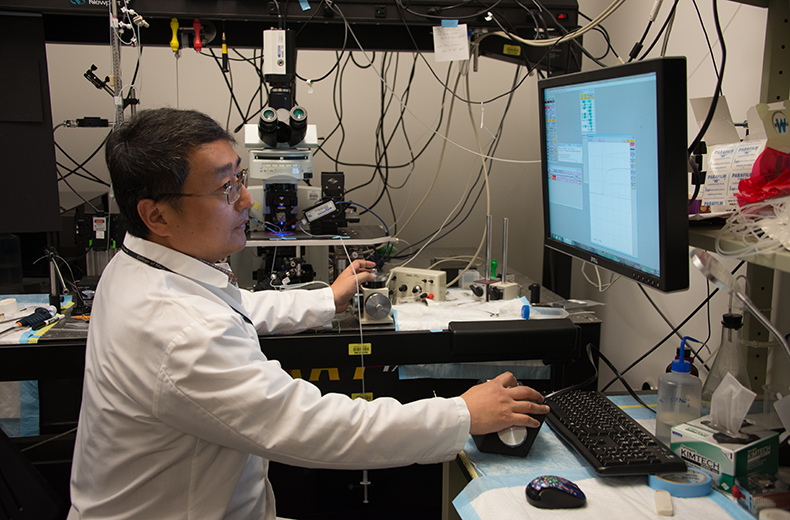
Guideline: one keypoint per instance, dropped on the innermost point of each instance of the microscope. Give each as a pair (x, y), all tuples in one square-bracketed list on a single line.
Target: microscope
[(281, 145)]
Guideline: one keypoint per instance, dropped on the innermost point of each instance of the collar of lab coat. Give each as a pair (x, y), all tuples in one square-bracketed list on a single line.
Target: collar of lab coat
[(180, 263)]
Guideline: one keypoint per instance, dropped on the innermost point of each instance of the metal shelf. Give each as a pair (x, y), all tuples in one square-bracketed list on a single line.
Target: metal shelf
[(350, 236), (705, 238)]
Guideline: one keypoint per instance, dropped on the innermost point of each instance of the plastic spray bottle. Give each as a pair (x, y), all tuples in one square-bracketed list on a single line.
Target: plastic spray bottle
[(679, 396)]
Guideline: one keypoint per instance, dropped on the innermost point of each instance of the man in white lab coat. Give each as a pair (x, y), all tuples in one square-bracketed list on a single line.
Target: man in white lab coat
[(181, 410)]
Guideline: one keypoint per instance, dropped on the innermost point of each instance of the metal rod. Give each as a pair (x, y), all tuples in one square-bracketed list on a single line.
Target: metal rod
[(489, 221), (115, 47), (504, 250)]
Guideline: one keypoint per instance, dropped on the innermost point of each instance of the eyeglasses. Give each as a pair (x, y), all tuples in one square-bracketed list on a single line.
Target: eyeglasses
[(231, 189)]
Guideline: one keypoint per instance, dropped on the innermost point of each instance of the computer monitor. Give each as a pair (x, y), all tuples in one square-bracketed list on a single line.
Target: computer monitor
[(614, 166)]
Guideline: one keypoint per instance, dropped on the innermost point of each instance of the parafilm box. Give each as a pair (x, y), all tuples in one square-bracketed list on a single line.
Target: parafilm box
[(704, 448)]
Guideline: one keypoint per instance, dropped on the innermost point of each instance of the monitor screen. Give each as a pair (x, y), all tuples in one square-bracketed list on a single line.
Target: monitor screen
[(614, 167)]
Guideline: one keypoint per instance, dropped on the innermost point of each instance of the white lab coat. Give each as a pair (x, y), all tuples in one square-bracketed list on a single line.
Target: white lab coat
[(181, 410)]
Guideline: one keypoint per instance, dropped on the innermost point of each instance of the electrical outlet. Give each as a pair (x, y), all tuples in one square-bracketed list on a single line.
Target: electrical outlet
[(408, 284)]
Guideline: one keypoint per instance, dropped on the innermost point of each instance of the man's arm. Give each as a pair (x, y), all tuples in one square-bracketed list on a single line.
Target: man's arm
[(499, 403), (346, 283)]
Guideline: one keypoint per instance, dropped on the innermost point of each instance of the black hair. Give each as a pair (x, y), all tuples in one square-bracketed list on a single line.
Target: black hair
[(148, 157)]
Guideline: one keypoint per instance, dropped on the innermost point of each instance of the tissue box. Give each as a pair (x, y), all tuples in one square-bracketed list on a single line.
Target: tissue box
[(725, 462)]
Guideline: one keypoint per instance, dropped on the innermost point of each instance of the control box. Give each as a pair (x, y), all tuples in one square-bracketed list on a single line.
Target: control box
[(503, 291), (408, 284), (376, 306)]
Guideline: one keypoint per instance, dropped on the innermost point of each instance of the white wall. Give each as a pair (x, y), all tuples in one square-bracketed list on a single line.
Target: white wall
[(630, 324), (514, 186)]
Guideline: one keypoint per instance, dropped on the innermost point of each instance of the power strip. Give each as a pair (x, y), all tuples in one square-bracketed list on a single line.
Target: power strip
[(408, 284)]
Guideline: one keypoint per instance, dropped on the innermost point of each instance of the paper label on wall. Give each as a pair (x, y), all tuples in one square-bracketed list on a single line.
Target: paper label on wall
[(450, 43), (727, 165)]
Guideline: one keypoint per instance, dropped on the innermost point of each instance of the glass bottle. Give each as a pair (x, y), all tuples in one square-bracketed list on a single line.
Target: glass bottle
[(729, 358)]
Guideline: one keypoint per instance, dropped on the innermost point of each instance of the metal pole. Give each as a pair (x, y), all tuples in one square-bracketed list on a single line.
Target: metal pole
[(504, 251), (489, 220), (115, 46)]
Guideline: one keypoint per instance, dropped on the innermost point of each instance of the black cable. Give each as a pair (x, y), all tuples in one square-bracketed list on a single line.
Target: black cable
[(483, 12), (660, 313), (601, 29), (592, 379), (707, 39), (717, 92), (81, 165), (637, 48), (653, 349), (372, 59), (398, 124), (337, 62), (75, 192), (622, 380), (670, 16), (434, 132), (574, 41), (705, 343), (227, 83), (447, 88), (306, 22), (714, 101)]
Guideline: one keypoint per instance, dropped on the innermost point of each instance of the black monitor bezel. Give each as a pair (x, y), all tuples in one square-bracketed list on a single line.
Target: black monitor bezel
[(671, 111)]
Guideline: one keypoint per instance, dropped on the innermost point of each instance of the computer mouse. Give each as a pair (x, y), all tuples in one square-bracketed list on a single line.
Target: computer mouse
[(553, 492)]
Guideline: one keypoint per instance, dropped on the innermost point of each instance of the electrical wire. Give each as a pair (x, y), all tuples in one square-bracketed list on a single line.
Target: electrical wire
[(492, 149), (602, 287), (704, 128), (363, 207), (660, 313), (664, 27), (418, 119), (441, 159), (549, 42), (664, 340)]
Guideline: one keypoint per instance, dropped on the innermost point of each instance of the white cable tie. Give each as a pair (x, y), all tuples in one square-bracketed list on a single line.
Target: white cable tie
[(118, 101), (309, 86), (482, 113)]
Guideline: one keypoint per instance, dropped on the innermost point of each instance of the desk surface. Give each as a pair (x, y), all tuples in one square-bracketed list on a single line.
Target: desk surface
[(498, 490)]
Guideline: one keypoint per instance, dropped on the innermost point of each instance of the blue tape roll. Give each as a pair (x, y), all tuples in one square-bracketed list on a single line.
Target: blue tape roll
[(692, 483)]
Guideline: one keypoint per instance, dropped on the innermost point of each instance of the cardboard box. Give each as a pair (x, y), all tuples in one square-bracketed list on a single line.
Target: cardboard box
[(725, 461)]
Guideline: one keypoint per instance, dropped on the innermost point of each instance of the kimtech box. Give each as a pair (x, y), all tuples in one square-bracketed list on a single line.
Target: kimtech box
[(704, 448)]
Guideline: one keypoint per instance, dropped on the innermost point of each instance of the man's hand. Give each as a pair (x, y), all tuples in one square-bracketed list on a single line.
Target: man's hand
[(499, 403), (345, 285)]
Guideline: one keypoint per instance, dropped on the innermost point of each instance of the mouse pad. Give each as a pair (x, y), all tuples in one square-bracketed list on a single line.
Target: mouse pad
[(611, 498)]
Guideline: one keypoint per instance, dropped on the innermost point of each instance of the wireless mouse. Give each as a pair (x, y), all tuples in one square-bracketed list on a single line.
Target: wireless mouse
[(552, 492)]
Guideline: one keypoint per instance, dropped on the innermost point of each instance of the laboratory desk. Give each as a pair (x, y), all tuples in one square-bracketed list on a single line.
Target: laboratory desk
[(494, 485), (330, 359)]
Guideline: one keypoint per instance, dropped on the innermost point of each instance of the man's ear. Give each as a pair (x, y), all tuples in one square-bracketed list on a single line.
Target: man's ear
[(153, 217)]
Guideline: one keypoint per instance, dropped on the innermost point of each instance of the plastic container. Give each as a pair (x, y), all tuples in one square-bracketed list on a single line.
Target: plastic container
[(679, 396), (530, 312), (689, 356), (469, 278)]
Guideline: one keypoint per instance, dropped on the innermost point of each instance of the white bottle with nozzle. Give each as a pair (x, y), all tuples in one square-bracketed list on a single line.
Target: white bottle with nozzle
[(679, 396)]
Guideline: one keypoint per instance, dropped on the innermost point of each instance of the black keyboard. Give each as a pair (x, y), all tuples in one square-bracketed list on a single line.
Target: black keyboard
[(611, 441)]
